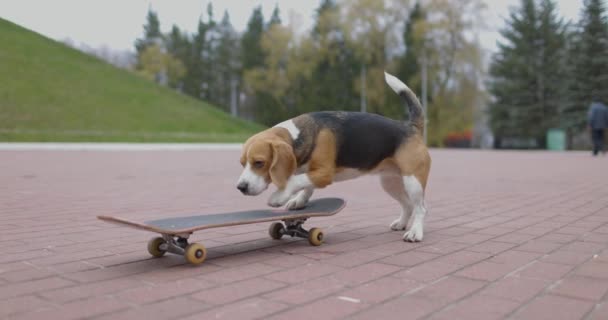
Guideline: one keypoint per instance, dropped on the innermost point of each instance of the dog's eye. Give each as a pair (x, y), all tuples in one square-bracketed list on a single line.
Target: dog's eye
[(258, 164)]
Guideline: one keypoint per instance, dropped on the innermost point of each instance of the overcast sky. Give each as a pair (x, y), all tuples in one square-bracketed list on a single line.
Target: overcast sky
[(117, 23)]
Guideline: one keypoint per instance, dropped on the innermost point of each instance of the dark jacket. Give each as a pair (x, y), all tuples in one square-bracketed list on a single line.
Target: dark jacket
[(597, 118)]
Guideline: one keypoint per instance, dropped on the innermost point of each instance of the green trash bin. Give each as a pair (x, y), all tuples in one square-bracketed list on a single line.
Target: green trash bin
[(556, 139)]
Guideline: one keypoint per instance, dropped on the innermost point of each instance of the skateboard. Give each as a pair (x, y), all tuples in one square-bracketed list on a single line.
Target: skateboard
[(176, 231)]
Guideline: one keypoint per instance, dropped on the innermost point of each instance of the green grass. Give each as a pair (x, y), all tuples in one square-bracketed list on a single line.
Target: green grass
[(50, 92)]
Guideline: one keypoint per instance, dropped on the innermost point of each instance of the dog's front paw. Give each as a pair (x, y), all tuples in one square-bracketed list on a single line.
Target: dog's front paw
[(278, 199), (415, 233), (398, 225), (297, 202)]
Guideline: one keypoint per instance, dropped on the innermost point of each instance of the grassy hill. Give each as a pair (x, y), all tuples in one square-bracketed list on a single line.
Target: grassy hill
[(50, 92)]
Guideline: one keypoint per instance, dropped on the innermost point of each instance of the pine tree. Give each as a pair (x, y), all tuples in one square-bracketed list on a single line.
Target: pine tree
[(588, 64), (178, 45), (551, 84), (200, 73), (409, 64), (331, 84), (252, 53), (152, 34), (527, 73), (275, 18), (226, 60)]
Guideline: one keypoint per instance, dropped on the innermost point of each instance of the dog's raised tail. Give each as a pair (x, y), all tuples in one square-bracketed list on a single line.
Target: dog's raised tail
[(415, 109)]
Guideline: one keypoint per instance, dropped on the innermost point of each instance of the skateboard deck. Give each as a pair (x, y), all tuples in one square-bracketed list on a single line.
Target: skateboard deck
[(175, 231)]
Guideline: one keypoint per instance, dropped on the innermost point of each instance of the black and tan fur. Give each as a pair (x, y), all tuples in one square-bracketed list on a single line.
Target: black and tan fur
[(336, 145)]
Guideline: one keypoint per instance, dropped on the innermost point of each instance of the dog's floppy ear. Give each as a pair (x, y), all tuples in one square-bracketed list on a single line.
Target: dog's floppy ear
[(283, 163)]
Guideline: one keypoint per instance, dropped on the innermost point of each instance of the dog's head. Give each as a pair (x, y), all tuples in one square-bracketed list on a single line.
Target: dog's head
[(266, 158)]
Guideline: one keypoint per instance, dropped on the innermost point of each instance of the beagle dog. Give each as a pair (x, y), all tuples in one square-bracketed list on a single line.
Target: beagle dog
[(316, 149)]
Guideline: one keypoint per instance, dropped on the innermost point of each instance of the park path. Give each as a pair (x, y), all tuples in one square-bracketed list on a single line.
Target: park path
[(521, 235)]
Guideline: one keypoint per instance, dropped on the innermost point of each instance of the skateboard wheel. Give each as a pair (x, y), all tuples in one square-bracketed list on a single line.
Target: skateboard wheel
[(315, 236), (154, 247), (195, 253), (276, 230)]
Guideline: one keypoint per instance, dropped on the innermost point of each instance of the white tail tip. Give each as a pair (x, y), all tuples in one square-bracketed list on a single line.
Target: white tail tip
[(395, 84)]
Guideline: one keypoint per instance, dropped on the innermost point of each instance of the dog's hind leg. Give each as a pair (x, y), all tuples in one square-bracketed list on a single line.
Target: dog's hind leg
[(415, 193), (393, 185)]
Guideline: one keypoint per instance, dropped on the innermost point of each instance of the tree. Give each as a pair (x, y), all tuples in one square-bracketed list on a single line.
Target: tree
[(276, 17), (159, 66), (527, 72), (200, 66), (332, 81), (152, 34), (454, 64), (409, 63), (369, 29), (588, 67), (226, 60), (251, 50), (178, 46)]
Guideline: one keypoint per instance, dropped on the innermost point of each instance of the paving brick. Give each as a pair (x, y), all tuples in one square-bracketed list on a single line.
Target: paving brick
[(449, 289), (237, 291), (23, 288), (410, 258), (585, 247), (382, 289), (515, 288), (428, 272), (402, 308), (254, 308), (77, 292), (168, 309), (78, 310), (600, 312), (554, 308), (355, 258), (492, 247), (478, 307), (328, 308), (544, 271), (442, 247), (303, 273), (558, 238), (515, 258), (485, 270), (288, 261), (27, 273), (22, 304), (147, 294), (464, 257), (582, 288), (539, 246), (238, 273), (567, 257), (594, 270), (307, 291), (364, 273)]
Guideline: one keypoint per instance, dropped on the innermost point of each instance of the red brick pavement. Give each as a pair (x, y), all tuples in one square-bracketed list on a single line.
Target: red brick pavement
[(518, 235)]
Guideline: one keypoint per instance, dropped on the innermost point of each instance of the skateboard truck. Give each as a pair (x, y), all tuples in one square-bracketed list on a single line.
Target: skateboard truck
[(194, 253), (294, 228)]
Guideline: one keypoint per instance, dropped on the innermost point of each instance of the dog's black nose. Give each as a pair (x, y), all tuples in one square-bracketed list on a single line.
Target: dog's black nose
[(243, 187)]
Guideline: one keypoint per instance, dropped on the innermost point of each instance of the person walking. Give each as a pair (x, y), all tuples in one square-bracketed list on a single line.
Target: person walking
[(597, 120)]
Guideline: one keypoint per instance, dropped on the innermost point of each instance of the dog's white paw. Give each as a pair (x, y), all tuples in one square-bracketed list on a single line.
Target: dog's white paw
[(297, 202), (398, 225), (415, 233), (278, 199)]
